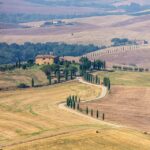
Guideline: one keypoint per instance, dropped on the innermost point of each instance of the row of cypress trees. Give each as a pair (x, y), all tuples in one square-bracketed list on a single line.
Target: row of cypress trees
[(91, 78), (74, 103), (97, 113)]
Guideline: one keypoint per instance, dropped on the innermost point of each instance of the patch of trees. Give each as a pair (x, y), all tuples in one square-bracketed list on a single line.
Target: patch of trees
[(56, 73), (91, 78), (74, 103), (87, 65), (24, 17), (121, 42), (14, 52), (18, 64), (134, 7), (128, 68)]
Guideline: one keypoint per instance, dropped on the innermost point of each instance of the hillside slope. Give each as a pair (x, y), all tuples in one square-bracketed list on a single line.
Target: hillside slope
[(126, 55)]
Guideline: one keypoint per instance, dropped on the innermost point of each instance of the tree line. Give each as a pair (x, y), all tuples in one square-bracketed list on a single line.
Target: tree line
[(63, 70), (11, 53), (128, 68), (74, 103), (87, 65), (91, 78)]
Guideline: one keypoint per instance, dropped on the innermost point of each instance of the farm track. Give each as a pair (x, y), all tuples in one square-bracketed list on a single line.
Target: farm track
[(103, 94)]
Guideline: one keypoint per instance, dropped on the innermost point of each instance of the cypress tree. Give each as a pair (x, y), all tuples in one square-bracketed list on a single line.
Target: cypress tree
[(70, 101), (74, 105), (32, 82), (103, 117), (92, 112), (97, 114), (87, 110), (66, 73), (78, 106), (49, 79), (58, 76), (79, 100), (96, 80)]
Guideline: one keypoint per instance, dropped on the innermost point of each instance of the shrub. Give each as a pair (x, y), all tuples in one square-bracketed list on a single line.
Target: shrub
[(22, 85)]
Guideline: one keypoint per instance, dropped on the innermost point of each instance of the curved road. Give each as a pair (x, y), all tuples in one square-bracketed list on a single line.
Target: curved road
[(103, 94)]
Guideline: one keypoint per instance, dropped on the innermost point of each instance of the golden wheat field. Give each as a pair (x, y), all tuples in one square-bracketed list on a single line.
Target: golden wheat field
[(32, 120)]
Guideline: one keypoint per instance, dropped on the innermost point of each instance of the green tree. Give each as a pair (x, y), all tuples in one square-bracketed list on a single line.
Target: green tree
[(32, 82), (47, 70), (87, 110), (58, 76), (66, 73), (97, 114), (49, 79)]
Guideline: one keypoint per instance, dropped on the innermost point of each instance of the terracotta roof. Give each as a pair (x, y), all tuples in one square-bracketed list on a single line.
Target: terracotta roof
[(46, 56)]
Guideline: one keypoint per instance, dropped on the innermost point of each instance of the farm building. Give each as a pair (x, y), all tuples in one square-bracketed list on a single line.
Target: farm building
[(46, 59)]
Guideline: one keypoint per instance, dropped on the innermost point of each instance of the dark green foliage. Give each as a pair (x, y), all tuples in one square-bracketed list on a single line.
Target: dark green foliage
[(24, 66), (22, 85), (119, 42), (91, 78), (103, 116), (99, 65), (71, 101), (130, 68), (92, 112), (49, 79), (97, 114), (17, 53), (58, 76), (87, 110), (66, 73), (85, 64), (78, 106), (47, 69), (32, 82), (106, 82)]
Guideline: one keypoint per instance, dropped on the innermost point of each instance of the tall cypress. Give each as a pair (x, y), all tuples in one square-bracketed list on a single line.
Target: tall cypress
[(97, 114), (87, 110), (32, 82)]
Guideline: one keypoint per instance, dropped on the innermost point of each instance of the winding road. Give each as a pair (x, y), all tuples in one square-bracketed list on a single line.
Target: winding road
[(103, 94)]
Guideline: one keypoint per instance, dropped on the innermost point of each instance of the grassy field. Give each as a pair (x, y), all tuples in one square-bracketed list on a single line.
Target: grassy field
[(13, 78), (32, 118), (128, 78)]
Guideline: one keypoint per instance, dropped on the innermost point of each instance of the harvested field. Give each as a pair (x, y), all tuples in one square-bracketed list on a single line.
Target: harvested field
[(125, 105), (31, 119), (40, 106), (53, 30), (125, 78), (103, 30)]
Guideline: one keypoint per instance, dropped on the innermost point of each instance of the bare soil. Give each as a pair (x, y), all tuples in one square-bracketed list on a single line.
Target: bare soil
[(125, 105)]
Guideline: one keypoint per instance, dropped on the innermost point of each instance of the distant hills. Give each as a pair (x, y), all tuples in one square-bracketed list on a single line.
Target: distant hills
[(17, 11)]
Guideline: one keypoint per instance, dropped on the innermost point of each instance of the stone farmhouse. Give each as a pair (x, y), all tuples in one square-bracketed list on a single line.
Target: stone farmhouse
[(46, 59)]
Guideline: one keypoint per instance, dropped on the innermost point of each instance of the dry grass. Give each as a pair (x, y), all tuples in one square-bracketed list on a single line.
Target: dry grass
[(33, 112), (100, 35), (137, 79), (13, 78), (32, 117)]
